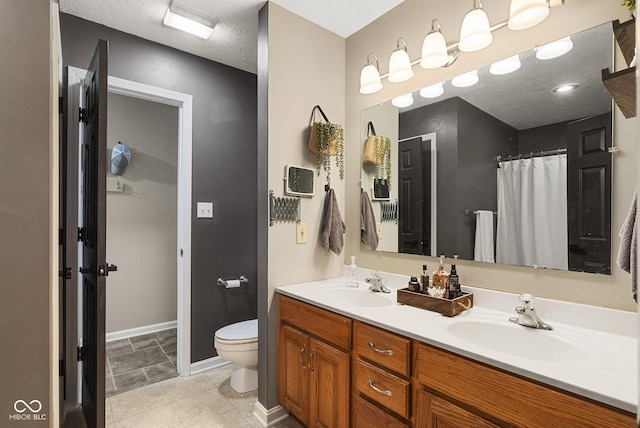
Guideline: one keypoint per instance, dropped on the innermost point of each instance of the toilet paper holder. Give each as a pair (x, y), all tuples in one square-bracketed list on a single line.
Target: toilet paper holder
[(225, 282)]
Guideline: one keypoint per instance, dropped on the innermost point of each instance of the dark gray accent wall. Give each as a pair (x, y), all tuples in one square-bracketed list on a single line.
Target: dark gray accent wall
[(468, 141), (224, 165), (547, 137), (25, 244)]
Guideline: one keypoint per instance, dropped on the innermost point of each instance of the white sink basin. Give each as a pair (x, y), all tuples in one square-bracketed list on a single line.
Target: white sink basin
[(360, 296), (557, 346)]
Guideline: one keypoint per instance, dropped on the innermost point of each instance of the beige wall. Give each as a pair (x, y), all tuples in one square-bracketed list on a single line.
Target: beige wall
[(306, 67), (410, 20), (141, 221)]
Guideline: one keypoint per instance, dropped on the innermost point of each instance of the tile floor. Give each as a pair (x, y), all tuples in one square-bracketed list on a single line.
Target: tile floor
[(139, 361), (203, 400)]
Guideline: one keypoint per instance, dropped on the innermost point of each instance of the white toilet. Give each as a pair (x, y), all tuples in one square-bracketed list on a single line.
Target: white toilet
[(238, 343)]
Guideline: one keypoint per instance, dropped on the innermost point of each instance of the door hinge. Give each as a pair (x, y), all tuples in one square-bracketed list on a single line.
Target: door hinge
[(66, 273), (80, 234), (82, 115), (80, 353), (61, 370)]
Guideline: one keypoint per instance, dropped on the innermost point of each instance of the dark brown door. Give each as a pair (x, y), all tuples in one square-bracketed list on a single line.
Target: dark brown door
[(94, 265), (589, 194), (414, 196)]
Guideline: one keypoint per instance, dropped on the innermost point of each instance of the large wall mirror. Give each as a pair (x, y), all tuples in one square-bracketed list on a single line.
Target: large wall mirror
[(515, 169)]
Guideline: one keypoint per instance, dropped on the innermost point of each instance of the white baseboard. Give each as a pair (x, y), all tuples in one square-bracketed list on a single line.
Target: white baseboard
[(139, 331), (269, 417), (208, 364)]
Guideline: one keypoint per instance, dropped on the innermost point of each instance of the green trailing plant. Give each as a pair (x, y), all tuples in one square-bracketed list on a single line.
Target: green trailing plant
[(383, 160), (629, 4), (328, 132)]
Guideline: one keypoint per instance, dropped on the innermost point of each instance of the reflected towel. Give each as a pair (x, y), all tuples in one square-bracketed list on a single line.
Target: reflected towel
[(368, 227), (628, 251), (333, 228), (484, 250)]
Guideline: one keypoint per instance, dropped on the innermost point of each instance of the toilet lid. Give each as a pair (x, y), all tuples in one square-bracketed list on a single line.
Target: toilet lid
[(239, 331)]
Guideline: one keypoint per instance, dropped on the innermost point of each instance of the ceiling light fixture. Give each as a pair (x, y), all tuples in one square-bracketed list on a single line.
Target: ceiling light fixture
[(403, 100), (506, 66), (432, 91), (434, 48), (554, 49), (370, 77), (475, 33), (465, 80), (566, 87), (188, 20), (525, 14), (400, 64)]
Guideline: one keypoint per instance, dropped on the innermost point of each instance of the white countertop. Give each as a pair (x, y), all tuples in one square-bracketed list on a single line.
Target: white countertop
[(603, 368)]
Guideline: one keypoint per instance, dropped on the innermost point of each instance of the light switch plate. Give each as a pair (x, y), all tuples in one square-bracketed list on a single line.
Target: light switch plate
[(301, 233), (205, 210)]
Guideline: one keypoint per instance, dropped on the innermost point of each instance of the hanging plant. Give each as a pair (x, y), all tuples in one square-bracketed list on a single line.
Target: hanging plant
[(383, 160), (629, 4), (326, 140)]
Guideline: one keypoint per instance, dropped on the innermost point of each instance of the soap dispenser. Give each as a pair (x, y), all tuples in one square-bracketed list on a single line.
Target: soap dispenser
[(440, 275), (352, 276)]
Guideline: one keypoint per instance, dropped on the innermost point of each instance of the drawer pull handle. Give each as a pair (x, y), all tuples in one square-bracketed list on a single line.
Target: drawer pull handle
[(304, 347), (311, 354), (376, 389), (381, 351)]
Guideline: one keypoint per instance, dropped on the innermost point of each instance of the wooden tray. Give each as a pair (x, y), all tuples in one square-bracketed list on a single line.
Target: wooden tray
[(446, 307)]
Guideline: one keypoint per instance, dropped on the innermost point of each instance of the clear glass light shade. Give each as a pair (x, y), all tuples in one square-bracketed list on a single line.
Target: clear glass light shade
[(465, 80), (432, 91), (403, 100), (554, 49), (506, 66), (434, 51), (370, 79), (525, 14), (400, 66), (475, 33), (185, 24)]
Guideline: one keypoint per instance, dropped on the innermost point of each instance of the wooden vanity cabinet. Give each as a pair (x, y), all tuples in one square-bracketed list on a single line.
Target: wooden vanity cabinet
[(314, 371)]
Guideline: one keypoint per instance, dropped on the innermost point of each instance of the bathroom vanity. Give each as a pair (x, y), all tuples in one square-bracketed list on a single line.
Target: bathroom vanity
[(350, 357)]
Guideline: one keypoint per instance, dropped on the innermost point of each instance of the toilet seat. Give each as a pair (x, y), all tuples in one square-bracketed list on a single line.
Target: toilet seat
[(238, 333)]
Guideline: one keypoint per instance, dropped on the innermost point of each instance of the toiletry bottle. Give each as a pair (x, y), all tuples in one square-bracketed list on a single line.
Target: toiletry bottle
[(424, 279), (440, 276), (414, 285), (352, 276), (454, 284)]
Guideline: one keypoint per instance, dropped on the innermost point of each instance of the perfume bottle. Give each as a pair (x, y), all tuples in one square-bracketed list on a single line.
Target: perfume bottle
[(352, 276)]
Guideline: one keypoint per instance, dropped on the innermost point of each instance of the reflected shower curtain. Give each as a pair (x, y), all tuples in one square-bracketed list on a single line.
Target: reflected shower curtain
[(532, 212)]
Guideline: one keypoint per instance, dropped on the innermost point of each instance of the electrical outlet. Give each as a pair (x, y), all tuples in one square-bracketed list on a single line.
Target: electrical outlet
[(301, 233), (205, 210), (379, 230)]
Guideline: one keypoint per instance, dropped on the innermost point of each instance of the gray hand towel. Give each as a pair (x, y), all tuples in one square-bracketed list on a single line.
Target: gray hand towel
[(368, 227), (627, 253), (333, 228)]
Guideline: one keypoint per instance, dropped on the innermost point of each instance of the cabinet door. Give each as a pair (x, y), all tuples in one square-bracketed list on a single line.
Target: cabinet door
[(435, 412), (329, 386), (293, 388)]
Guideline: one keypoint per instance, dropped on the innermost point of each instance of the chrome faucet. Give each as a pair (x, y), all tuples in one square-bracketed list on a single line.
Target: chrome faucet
[(376, 283), (527, 315)]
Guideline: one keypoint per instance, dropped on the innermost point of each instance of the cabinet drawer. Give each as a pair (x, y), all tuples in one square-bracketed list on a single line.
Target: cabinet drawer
[(382, 387), (329, 326), (369, 416), (387, 349)]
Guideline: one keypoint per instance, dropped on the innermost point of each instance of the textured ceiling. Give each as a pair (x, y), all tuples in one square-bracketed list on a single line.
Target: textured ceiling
[(523, 99), (234, 39)]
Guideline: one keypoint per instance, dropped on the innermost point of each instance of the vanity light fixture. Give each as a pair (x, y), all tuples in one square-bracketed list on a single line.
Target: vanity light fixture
[(370, 76), (403, 100), (186, 19), (566, 87), (432, 91), (554, 49), (434, 48), (525, 14), (400, 64), (465, 80), (505, 66), (475, 33)]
